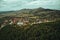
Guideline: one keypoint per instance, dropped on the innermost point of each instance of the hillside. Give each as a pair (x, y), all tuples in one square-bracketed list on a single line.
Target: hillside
[(43, 31), (30, 24)]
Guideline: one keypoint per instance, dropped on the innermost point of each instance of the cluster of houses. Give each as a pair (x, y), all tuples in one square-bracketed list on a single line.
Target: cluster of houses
[(23, 20), (17, 20)]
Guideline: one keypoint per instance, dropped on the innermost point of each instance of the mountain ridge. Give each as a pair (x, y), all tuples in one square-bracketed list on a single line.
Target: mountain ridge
[(41, 12)]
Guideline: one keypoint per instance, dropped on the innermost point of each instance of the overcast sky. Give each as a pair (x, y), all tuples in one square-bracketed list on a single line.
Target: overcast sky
[(8, 5)]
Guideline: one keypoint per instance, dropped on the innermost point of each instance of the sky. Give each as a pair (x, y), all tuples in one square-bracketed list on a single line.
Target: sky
[(9, 5)]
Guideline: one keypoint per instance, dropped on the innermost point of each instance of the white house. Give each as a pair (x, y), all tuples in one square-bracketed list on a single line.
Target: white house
[(20, 23)]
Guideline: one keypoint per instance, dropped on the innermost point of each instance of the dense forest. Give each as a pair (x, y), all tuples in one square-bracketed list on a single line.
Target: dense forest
[(43, 31)]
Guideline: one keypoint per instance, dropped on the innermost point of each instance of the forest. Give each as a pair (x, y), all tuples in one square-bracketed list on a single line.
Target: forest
[(43, 31)]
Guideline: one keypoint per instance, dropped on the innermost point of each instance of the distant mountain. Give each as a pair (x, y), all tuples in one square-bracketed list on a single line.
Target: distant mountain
[(37, 12)]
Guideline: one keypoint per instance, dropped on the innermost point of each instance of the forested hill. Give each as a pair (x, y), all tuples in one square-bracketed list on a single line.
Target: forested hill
[(43, 31)]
